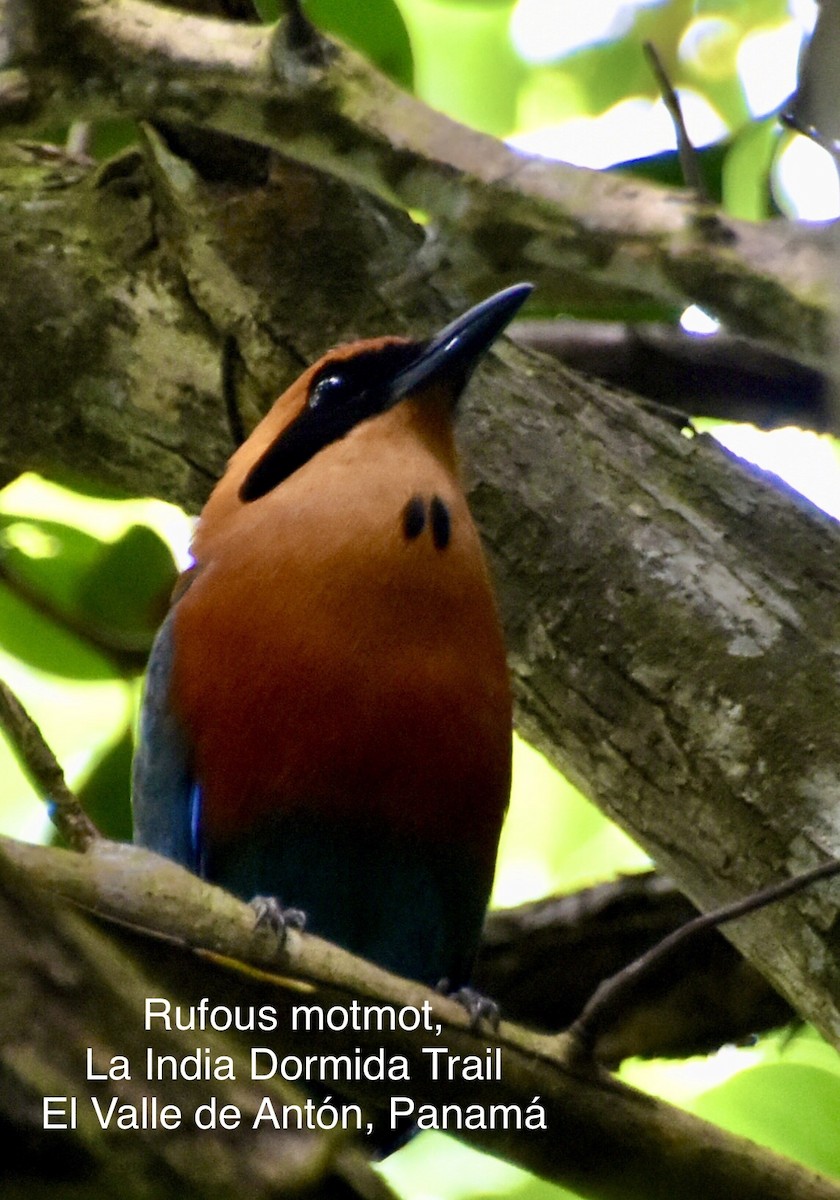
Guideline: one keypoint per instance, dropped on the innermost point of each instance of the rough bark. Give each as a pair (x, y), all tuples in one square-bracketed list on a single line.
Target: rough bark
[(129, 285), (592, 242), (178, 937), (544, 960), (671, 653), (728, 378), (669, 612), (78, 1000)]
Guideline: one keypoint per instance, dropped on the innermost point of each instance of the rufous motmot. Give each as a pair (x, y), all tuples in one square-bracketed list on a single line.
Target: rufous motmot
[(327, 713)]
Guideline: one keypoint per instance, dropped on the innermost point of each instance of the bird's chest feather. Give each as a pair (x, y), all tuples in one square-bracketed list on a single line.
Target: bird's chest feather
[(339, 651)]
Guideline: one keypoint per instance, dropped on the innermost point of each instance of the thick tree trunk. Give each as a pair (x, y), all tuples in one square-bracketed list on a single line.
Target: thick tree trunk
[(80, 995), (667, 644), (670, 613), (75, 1013)]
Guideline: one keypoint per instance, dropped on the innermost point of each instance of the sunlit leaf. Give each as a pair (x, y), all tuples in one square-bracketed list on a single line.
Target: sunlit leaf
[(464, 61), (40, 642), (788, 1106), (554, 839), (106, 792), (746, 171), (375, 28), (126, 589), (109, 593)]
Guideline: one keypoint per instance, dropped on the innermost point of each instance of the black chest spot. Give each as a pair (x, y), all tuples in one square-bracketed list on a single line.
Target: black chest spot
[(415, 517), (441, 523)]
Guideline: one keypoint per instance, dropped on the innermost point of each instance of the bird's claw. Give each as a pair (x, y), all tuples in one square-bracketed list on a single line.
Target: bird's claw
[(478, 1007), (271, 914)]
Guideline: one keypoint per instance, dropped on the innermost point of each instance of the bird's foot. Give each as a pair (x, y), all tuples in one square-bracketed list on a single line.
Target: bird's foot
[(478, 1007), (271, 914)]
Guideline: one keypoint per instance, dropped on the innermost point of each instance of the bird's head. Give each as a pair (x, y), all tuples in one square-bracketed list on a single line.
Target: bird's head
[(360, 381), (383, 388)]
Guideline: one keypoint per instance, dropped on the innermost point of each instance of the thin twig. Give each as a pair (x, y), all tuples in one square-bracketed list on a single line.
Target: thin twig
[(44, 770), (615, 994), (689, 160)]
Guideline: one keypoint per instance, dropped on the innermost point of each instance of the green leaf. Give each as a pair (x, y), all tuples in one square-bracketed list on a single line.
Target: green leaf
[(106, 793), (791, 1107), (126, 589), (610, 72), (46, 557), (39, 642), (375, 28), (42, 562), (746, 171), (464, 61), (64, 585)]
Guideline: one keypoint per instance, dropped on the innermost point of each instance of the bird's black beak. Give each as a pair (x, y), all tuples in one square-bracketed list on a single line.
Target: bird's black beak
[(456, 350), (360, 386)]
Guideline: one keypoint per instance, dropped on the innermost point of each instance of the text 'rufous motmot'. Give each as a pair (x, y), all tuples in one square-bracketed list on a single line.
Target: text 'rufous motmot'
[(327, 715)]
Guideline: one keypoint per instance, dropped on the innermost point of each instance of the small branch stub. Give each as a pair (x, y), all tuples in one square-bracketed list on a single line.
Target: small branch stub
[(44, 770)]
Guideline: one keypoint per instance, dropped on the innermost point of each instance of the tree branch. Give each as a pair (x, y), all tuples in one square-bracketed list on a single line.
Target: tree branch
[(720, 375), (589, 240), (42, 767), (652, 587), (669, 651), (544, 960), (610, 1003), (601, 1138), (75, 997)]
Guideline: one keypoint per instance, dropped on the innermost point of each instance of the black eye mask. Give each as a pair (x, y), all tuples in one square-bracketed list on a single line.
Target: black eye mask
[(341, 395), (350, 390)]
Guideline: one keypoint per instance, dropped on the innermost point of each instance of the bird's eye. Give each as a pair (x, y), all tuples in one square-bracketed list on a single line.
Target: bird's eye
[(330, 391)]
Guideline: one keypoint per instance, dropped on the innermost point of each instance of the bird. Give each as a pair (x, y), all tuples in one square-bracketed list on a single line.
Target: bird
[(327, 717)]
